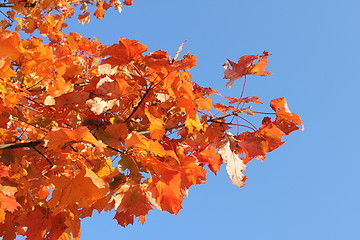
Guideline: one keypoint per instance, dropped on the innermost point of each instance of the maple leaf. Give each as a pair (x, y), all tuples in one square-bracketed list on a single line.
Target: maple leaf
[(258, 68), (8, 203), (38, 223), (157, 128), (4, 171), (59, 136), (257, 144), (253, 99), (238, 69), (99, 12), (123, 52), (159, 168), (137, 140), (98, 105), (128, 2), (210, 157), (191, 172), (9, 44), (130, 201), (169, 197), (82, 190), (285, 120), (234, 165), (245, 66), (84, 18)]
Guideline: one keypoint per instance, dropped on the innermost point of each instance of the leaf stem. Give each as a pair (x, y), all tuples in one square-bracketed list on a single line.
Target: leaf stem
[(138, 105)]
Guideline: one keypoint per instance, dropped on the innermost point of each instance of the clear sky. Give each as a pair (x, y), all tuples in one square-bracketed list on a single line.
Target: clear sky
[(307, 189)]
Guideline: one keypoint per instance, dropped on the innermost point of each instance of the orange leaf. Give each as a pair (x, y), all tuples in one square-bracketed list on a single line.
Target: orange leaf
[(258, 68), (123, 52), (8, 203), (99, 12), (128, 2), (211, 157), (257, 144), (130, 201), (191, 172), (5, 68), (169, 194), (81, 191), (4, 171), (84, 18), (9, 44), (41, 222), (254, 99), (59, 136), (246, 66), (285, 120), (187, 62), (159, 168), (139, 141), (157, 128), (239, 69)]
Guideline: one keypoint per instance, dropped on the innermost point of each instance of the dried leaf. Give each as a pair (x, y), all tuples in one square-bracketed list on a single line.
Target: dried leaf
[(234, 165)]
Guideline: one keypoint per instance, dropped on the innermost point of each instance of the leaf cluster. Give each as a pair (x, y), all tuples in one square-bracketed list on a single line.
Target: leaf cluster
[(86, 126)]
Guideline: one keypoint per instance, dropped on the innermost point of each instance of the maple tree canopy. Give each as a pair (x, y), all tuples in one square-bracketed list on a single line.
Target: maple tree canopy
[(86, 126)]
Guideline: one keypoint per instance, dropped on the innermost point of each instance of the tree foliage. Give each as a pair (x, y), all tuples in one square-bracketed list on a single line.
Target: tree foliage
[(86, 126)]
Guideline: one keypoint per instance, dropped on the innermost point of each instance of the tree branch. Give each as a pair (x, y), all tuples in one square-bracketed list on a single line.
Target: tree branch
[(20, 145)]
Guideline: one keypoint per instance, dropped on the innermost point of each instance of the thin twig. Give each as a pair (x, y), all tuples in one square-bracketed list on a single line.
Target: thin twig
[(51, 164), (138, 105)]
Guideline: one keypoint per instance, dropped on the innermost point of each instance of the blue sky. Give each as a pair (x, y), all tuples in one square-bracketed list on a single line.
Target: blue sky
[(307, 189)]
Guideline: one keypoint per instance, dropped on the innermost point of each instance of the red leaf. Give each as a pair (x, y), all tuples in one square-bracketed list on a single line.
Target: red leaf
[(285, 120), (128, 2), (7, 199), (246, 66), (239, 69)]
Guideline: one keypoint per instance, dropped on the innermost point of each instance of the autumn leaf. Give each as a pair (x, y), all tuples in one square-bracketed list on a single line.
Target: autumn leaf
[(169, 197), (245, 66), (237, 70), (130, 201), (84, 18), (128, 2), (9, 44), (123, 52), (258, 143), (157, 128), (234, 165), (258, 68), (209, 156), (82, 190), (139, 141), (60, 136), (192, 173), (8, 203), (285, 120), (99, 12)]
